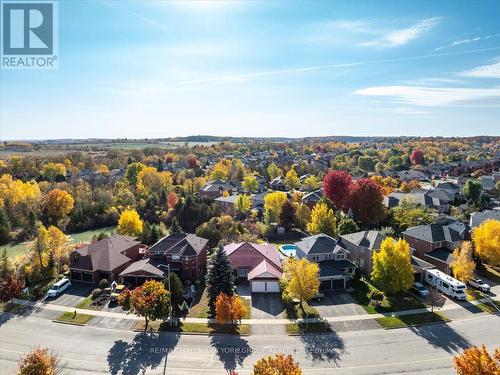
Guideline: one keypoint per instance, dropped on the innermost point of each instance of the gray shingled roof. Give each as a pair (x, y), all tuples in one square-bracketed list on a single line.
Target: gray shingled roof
[(442, 253), (183, 244), (328, 268), (434, 233), (371, 239), (320, 244)]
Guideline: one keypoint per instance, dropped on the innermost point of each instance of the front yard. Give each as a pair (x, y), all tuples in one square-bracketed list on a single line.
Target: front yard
[(391, 322), (200, 309), (69, 317), (202, 328), (400, 302)]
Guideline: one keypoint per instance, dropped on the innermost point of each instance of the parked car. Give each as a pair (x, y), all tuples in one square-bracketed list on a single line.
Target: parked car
[(117, 291), (419, 289), (58, 288), (479, 284)]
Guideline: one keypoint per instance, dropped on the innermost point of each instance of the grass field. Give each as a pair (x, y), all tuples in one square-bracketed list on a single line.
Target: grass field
[(242, 329), (16, 249), (391, 322), (67, 317)]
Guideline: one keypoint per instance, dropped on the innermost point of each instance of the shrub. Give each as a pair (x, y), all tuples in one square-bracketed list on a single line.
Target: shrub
[(123, 299), (103, 284), (376, 295), (96, 293)]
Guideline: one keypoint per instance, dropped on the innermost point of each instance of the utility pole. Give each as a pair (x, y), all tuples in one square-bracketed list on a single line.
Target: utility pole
[(167, 266)]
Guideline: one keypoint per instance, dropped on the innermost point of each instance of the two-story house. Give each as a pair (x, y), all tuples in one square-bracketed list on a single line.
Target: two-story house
[(361, 246), (335, 269)]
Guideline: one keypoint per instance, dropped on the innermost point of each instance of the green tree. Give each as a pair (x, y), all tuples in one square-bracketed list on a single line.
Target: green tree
[(220, 278), (346, 225), (292, 181), (242, 204), (250, 183), (392, 270), (4, 227), (176, 290), (473, 190), (132, 171)]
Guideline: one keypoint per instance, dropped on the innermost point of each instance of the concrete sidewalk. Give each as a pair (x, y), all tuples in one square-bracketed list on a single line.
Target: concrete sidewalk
[(332, 319)]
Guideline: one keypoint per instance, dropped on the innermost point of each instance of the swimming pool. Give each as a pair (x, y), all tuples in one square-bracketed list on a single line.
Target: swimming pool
[(289, 250)]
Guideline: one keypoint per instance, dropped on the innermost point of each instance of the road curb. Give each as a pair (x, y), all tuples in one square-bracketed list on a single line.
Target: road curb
[(69, 323)]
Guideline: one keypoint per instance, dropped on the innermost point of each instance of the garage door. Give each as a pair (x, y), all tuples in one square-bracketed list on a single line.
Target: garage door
[(265, 287), (338, 284), (325, 285)]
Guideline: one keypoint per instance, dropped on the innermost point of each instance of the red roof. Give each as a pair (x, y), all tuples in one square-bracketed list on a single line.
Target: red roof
[(263, 268)]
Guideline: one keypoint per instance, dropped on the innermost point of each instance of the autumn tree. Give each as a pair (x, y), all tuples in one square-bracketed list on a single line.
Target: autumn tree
[(287, 215), (477, 361), (220, 277), (407, 187), (365, 201), (346, 225), (387, 184), (172, 199), (229, 309), (462, 264), (58, 204), (273, 171), (11, 287), (277, 365), (53, 171), (486, 238), (392, 270), (273, 202), (130, 223), (132, 171), (50, 241), (300, 278), (192, 161), (242, 203), (417, 157), (151, 301), (250, 183), (220, 170), (151, 182), (40, 361), (323, 220), (292, 180), (302, 216), (336, 187)]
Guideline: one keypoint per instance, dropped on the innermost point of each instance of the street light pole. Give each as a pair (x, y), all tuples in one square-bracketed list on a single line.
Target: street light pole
[(167, 266)]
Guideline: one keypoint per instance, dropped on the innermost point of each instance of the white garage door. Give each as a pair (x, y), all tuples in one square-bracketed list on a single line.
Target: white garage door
[(258, 286), (265, 287)]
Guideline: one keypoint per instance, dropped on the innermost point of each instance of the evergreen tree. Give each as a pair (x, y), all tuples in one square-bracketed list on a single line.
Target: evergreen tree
[(346, 225), (5, 264), (175, 227), (154, 236), (220, 278), (176, 290), (146, 233), (4, 227), (51, 269)]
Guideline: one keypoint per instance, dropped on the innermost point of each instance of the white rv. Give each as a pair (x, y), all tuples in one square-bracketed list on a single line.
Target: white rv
[(446, 284)]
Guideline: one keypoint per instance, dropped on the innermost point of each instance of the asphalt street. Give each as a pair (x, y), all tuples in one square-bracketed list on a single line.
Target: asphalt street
[(87, 350)]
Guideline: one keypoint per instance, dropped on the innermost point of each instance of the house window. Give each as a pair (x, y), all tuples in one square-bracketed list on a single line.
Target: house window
[(242, 272), (329, 256), (176, 258), (361, 262), (341, 256), (362, 250), (315, 257), (186, 259)]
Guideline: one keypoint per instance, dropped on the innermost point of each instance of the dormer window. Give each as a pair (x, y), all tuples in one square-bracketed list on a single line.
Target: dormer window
[(340, 255)]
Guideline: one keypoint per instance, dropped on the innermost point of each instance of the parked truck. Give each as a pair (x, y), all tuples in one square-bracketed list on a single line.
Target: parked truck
[(446, 284)]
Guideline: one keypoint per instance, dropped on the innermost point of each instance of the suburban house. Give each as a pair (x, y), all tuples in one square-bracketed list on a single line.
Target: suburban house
[(331, 254), (104, 259), (277, 184), (142, 270), (216, 188), (258, 264), (476, 218), (438, 200), (310, 199), (435, 243), (449, 187), (226, 204), (184, 253), (361, 246), (419, 268)]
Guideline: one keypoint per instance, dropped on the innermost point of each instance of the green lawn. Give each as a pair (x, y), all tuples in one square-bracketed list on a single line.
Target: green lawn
[(78, 319), (302, 328), (13, 308), (200, 309), (402, 301), (242, 329), (85, 304), (487, 307), (392, 322), (15, 249), (87, 235)]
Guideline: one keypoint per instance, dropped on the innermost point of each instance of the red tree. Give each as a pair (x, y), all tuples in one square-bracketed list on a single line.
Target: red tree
[(365, 201), (192, 162), (336, 186), (10, 288), (172, 199), (417, 157)]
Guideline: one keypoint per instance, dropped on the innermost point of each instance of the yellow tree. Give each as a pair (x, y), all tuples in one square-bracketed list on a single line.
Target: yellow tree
[(103, 170), (486, 240), (311, 183), (277, 365), (220, 170), (273, 171), (322, 220), (150, 181), (53, 171), (58, 204), (40, 361), (273, 202), (300, 278), (292, 181), (243, 204), (229, 309), (250, 183), (130, 223), (392, 269), (463, 265), (302, 216), (477, 361)]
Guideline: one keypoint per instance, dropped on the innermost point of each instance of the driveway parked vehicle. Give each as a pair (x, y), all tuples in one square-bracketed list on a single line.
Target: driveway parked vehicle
[(419, 289), (58, 288), (479, 284)]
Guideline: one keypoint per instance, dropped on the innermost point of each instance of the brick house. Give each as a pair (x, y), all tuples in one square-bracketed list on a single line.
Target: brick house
[(361, 246), (104, 259), (435, 243), (216, 188), (258, 264), (184, 252)]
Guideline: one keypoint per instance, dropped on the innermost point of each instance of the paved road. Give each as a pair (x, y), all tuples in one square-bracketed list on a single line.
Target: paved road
[(426, 349)]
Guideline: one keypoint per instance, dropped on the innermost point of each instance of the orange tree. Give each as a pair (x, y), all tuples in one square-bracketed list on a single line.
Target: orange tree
[(229, 309), (475, 361), (277, 365), (151, 301), (39, 362)]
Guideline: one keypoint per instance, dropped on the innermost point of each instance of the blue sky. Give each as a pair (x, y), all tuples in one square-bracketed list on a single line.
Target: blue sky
[(146, 69)]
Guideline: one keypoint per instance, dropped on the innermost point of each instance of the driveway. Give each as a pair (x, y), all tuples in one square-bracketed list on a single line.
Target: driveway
[(266, 306), (72, 296), (337, 304)]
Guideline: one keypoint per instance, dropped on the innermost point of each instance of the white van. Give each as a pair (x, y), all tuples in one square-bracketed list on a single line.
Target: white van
[(58, 288), (446, 284)]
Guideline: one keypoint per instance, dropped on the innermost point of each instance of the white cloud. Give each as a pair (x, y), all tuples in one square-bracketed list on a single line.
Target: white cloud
[(147, 20), (467, 41), (485, 71), (433, 96), (402, 36)]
